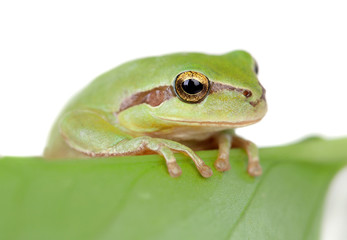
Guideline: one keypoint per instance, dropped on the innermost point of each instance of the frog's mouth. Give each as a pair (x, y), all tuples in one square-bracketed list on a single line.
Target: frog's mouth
[(215, 123)]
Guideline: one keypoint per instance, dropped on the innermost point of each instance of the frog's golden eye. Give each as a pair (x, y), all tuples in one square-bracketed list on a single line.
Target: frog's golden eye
[(191, 87)]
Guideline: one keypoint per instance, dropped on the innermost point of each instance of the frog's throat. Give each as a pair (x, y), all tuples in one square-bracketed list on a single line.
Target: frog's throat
[(156, 96), (215, 123)]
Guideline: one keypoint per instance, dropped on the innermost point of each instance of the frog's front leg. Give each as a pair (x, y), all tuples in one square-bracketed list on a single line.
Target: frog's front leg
[(227, 139), (161, 146), (224, 139), (254, 168), (91, 133)]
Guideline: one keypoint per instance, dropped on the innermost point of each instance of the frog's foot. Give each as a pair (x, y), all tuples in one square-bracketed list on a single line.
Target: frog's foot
[(222, 163)]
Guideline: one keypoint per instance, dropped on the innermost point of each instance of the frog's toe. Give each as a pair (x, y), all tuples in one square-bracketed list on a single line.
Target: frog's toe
[(222, 165), (205, 171), (254, 169), (174, 169)]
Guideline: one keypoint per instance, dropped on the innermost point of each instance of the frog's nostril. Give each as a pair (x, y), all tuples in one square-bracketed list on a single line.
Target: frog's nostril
[(247, 93)]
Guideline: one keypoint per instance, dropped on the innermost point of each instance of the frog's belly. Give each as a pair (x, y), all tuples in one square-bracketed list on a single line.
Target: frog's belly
[(190, 133), (196, 138)]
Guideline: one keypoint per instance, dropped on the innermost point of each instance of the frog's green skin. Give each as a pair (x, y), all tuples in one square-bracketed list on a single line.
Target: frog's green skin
[(94, 123)]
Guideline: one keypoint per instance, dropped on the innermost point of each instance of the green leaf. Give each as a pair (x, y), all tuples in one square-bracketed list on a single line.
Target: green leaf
[(135, 198)]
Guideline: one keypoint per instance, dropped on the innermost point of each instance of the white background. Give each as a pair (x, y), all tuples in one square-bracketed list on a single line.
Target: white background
[(50, 50)]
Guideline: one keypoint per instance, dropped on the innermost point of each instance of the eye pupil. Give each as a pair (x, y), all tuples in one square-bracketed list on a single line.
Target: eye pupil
[(192, 86)]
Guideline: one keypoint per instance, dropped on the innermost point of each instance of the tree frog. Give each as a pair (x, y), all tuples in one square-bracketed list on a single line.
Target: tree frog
[(179, 102)]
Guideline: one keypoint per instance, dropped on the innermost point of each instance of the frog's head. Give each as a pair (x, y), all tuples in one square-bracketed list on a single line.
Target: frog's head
[(192, 89)]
